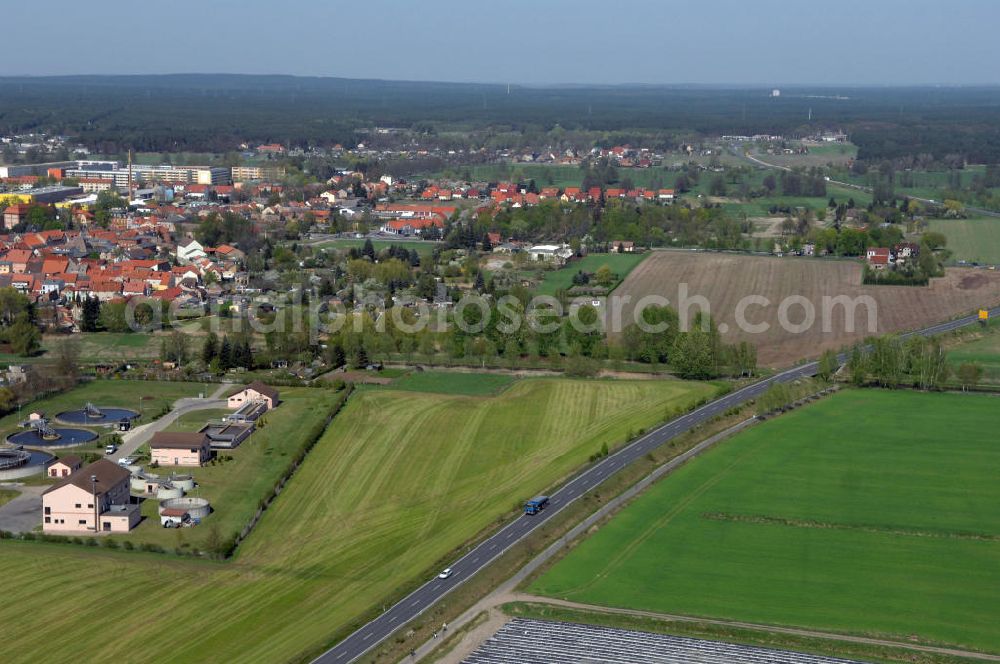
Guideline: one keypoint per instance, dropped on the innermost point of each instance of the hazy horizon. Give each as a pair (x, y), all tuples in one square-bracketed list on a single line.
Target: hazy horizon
[(714, 43)]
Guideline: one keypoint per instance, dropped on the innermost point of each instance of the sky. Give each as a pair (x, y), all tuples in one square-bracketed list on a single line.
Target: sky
[(867, 42)]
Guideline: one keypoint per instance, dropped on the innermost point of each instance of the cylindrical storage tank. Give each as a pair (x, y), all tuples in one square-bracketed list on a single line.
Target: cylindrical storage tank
[(198, 508), (184, 482), (168, 491)]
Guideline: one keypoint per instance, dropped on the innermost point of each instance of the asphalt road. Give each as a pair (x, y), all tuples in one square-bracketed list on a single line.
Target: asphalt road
[(410, 607)]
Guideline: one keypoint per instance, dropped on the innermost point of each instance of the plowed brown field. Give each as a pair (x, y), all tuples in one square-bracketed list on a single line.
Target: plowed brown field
[(724, 279)]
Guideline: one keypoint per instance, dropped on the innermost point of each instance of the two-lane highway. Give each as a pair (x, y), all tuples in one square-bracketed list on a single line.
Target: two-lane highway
[(421, 599)]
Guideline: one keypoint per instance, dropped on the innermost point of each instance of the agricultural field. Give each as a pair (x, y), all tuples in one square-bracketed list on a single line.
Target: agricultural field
[(724, 279), (148, 397), (971, 240), (398, 482), (620, 264), (871, 512), (454, 382)]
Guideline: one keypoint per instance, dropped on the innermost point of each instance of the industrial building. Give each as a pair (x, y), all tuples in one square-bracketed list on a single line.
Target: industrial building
[(42, 195), (94, 498)]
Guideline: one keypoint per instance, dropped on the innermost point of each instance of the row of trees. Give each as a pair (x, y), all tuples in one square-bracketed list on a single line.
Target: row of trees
[(916, 362)]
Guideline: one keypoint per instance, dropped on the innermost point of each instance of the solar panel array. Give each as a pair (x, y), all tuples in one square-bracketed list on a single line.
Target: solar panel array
[(523, 641)]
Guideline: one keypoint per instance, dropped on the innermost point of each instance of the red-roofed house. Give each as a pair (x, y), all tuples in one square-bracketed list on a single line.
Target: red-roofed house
[(877, 257), (52, 266)]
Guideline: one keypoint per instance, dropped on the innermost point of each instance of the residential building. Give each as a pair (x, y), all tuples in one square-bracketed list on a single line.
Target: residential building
[(190, 251), (255, 392)]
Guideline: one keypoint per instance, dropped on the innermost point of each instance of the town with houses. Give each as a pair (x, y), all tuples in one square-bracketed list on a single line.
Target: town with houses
[(297, 367)]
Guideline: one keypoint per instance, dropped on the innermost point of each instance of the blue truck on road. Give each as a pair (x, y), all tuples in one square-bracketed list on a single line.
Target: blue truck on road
[(536, 504)]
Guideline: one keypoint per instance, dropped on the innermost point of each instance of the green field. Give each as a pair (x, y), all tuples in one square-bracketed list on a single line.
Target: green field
[(454, 382), (397, 484), (983, 350), (971, 240), (110, 347), (620, 264), (869, 512), (121, 393)]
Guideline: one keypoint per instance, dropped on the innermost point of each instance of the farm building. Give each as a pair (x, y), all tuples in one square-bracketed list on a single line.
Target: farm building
[(98, 492), (65, 466), (179, 449), (255, 392)]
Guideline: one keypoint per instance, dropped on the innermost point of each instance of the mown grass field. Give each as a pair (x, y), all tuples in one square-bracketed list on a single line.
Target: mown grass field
[(454, 382), (119, 393), (971, 240), (869, 512), (398, 482), (620, 264)]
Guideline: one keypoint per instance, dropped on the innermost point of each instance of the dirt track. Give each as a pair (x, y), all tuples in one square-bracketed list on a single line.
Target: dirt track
[(724, 279)]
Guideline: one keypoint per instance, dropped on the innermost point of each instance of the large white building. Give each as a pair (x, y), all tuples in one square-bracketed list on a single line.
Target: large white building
[(149, 173)]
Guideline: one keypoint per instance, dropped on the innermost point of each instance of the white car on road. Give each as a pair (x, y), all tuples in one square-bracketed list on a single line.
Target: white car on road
[(446, 573)]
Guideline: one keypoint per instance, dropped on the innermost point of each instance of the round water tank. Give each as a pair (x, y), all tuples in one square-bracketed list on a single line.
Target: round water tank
[(168, 491), (184, 482), (198, 508)]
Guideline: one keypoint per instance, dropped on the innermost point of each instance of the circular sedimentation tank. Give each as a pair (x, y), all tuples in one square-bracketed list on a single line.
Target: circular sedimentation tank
[(168, 491), (61, 437), (198, 508), (16, 463), (184, 482), (97, 416)]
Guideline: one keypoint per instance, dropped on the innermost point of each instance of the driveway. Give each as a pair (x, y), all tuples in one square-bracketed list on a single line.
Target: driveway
[(23, 513), (134, 439)]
